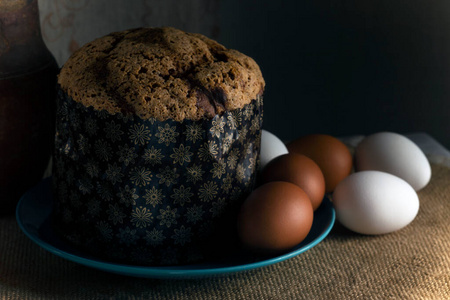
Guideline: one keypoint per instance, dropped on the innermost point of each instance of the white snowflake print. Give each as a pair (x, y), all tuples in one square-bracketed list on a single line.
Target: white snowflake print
[(247, 184), (181, 195), (141, 217), (258, 139), (103, 150), (252, 164), (168, 217), (249, 147), (126, 155), (153, 156), (218, 207), (67, 147), (167, 176), (63, 111), (259, 101), (104, 191), (227, 142), (233, 158), (83, 144), (114, 173), (154, 186), (104, 229), (140, 176), (194, 132), (112, 131), (127, 117), (92, 169), (237, 115), (208, 191), (85, 186), (248, 112), (154, 237), (152, 120), (153, 196), (194, 214), (255, 126), (208, 151), (127, 236), (103, 114), (227, 183), (240, 173), (182, 236), (181, 155), (115, 214), (243, 134), (232, 123), (74, 120), (235, 194), (167, 134), (90, 125), (218, 168), (194, 173), (217, 126), (139, 134), (127, 195)]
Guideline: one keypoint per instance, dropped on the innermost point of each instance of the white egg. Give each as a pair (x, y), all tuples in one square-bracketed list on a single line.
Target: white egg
[(374, 202), (271, 147), (395, 154)]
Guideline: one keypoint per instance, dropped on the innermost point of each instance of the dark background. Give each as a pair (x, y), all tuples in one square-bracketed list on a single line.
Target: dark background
[(347, 67), (340, 67)]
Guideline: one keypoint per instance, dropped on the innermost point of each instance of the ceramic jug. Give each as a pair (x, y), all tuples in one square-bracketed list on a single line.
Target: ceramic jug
[(27, 101)]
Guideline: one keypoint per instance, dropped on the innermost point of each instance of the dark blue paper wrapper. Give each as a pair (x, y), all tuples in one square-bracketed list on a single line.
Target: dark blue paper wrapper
[(148, 192)]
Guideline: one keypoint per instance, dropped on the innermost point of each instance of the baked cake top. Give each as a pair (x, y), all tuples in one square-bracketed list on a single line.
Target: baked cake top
[(163, 73)]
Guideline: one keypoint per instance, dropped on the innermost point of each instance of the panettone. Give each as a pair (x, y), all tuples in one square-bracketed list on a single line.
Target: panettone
[(161, 73), (157, 144)]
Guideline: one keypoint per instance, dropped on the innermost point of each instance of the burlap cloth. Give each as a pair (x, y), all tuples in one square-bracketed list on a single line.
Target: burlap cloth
[(413, 263)]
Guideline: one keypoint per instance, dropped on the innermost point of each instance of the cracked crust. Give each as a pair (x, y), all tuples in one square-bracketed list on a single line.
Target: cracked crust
[(162, 73)]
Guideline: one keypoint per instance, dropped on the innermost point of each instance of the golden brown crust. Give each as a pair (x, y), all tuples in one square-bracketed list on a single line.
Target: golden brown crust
[(163, 73)]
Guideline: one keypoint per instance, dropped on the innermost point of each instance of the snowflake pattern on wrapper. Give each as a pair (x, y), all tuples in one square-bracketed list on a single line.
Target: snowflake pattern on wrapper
[(150, 192)]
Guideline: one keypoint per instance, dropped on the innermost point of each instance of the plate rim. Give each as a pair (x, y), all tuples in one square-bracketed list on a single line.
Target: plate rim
[(159, 272)]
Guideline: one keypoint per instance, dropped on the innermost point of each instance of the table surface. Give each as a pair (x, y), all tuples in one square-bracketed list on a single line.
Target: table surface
[(412, 263)]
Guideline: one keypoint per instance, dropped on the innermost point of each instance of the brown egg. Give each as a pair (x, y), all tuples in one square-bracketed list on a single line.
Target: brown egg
[(329, 153), (300, 170), (275, 217)]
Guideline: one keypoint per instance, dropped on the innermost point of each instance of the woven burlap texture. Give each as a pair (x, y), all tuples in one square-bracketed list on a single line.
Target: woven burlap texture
[(413, 263)]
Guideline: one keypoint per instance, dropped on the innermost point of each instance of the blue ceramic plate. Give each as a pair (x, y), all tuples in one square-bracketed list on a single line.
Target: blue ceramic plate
[(33, 215)]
